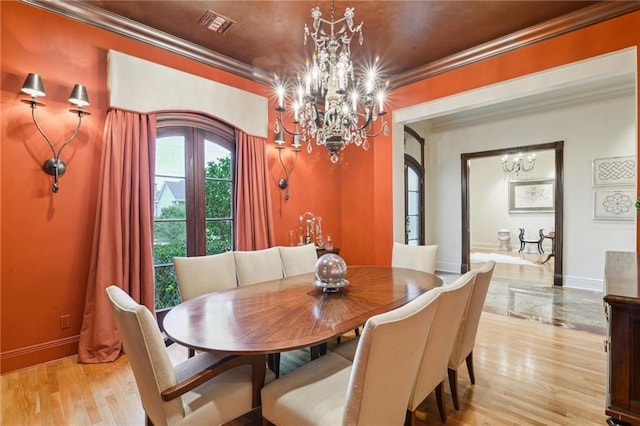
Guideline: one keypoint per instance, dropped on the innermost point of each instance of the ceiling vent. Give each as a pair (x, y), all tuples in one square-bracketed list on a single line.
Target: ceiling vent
[(216, 22)]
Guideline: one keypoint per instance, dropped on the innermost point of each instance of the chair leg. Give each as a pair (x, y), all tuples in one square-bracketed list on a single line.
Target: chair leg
[(314, 352), (273, 361), (323, 348), (357, 331), (453, 385), (410, 418), (470, 368), (442, 409)]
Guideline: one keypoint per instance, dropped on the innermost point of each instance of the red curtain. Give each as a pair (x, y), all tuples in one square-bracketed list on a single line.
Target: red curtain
[(254, 220), (122, 252)]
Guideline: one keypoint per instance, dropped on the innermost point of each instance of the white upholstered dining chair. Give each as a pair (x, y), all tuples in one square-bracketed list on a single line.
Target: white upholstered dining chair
[(205, 389), (433, 368), (466, 335), (421, 258), (198, 275), (373, 390), (298, 259), (259, 265)]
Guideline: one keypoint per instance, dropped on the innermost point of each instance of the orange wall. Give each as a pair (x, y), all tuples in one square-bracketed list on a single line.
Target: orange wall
[(609, 36), (46, 238)]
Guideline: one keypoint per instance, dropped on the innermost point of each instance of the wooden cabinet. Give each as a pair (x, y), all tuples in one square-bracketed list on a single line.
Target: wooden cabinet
[(622, 308)]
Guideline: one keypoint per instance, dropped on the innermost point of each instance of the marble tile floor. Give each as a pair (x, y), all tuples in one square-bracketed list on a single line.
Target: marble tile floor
[(565, 307)]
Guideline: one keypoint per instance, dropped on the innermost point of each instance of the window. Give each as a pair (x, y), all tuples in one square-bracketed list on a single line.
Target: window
[(413, 177), (413, 187), (193, 195)]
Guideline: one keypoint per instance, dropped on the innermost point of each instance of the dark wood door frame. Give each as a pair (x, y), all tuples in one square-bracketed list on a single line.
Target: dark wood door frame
[(558, 148)]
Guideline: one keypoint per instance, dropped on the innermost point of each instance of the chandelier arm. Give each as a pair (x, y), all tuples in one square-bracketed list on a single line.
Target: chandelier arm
[(287, 131), (380, 130), (35, 120), (531, 166), (506, 168), (318, 119), (368, 121)]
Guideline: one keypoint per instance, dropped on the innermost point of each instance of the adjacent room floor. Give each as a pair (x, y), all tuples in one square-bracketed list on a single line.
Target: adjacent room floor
[(522, 287)]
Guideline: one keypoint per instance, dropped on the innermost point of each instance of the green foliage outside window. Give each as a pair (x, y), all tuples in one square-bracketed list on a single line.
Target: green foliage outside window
[(170, 235)]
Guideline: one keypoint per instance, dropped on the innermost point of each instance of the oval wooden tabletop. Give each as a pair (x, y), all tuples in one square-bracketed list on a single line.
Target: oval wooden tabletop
[(291, 313)]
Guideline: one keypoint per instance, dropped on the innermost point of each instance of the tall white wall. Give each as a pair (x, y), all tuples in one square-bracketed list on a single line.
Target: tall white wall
[(590, 128), (489, 204)]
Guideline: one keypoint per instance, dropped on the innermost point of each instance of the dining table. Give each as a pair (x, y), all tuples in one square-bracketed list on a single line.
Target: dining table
[(291, 312)]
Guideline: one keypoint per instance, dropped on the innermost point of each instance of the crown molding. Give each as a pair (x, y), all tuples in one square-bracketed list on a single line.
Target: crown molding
[(573, 21), (89, 14)]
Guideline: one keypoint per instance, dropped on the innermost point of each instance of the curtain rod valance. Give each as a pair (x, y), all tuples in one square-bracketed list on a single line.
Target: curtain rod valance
[(143, 86)]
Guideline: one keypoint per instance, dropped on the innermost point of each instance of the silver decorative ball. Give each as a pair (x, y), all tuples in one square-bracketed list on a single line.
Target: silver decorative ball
[(331, 269)]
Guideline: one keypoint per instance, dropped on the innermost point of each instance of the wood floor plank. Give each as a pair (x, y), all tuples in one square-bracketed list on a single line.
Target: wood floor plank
[(527, 373)]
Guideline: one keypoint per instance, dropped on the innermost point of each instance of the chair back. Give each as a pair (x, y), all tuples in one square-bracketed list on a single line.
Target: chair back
[(466, 336), (452, 303), (204, 274), (147, 354), (421, 258), (298, 259), (257, 266), (386, 363)]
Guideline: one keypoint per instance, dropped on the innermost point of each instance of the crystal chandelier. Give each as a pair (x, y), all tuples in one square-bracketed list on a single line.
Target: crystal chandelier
[(328, 104), (518, 166)]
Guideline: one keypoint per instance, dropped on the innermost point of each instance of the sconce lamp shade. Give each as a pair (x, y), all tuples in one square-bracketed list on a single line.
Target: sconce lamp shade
[(33, 85), (279, 138), (79, 96)]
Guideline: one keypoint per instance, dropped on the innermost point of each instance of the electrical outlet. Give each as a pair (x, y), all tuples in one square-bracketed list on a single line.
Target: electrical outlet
[(65, 321)]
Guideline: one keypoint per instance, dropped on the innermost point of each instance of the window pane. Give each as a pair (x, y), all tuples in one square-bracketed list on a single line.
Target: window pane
[(412, 228), (219, 236), (170, 156), (170, 240), (167, 293), (217, 161), (217, 199), (414, 202), (170, 198), (413, 180)]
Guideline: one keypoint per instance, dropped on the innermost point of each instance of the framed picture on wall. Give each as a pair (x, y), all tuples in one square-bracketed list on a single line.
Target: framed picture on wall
[(614, 171), (532, 196), (615, 204)]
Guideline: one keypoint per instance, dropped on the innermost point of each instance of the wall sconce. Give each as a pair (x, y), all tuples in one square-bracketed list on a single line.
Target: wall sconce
[(295, 147), (33, 87)]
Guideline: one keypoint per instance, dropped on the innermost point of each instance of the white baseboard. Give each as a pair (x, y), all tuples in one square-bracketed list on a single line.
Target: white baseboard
[(584, 283), (453, 268)]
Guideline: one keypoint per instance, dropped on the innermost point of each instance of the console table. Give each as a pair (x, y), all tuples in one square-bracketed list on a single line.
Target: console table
[(622, 309)]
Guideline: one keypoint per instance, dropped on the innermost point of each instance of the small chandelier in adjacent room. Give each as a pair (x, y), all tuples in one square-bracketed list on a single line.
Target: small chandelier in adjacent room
[(518, 166), (328, 104)]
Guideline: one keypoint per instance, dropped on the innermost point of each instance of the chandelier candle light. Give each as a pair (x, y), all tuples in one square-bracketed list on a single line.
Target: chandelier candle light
[(328, 104)]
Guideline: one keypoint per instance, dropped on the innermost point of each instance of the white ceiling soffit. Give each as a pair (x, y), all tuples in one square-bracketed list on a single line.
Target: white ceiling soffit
[(606, 75)]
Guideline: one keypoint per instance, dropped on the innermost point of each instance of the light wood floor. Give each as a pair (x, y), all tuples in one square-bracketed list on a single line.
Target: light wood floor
[(526, 373), (539, 275)]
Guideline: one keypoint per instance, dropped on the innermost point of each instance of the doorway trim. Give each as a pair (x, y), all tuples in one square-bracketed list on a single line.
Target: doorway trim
[(466, 158)]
